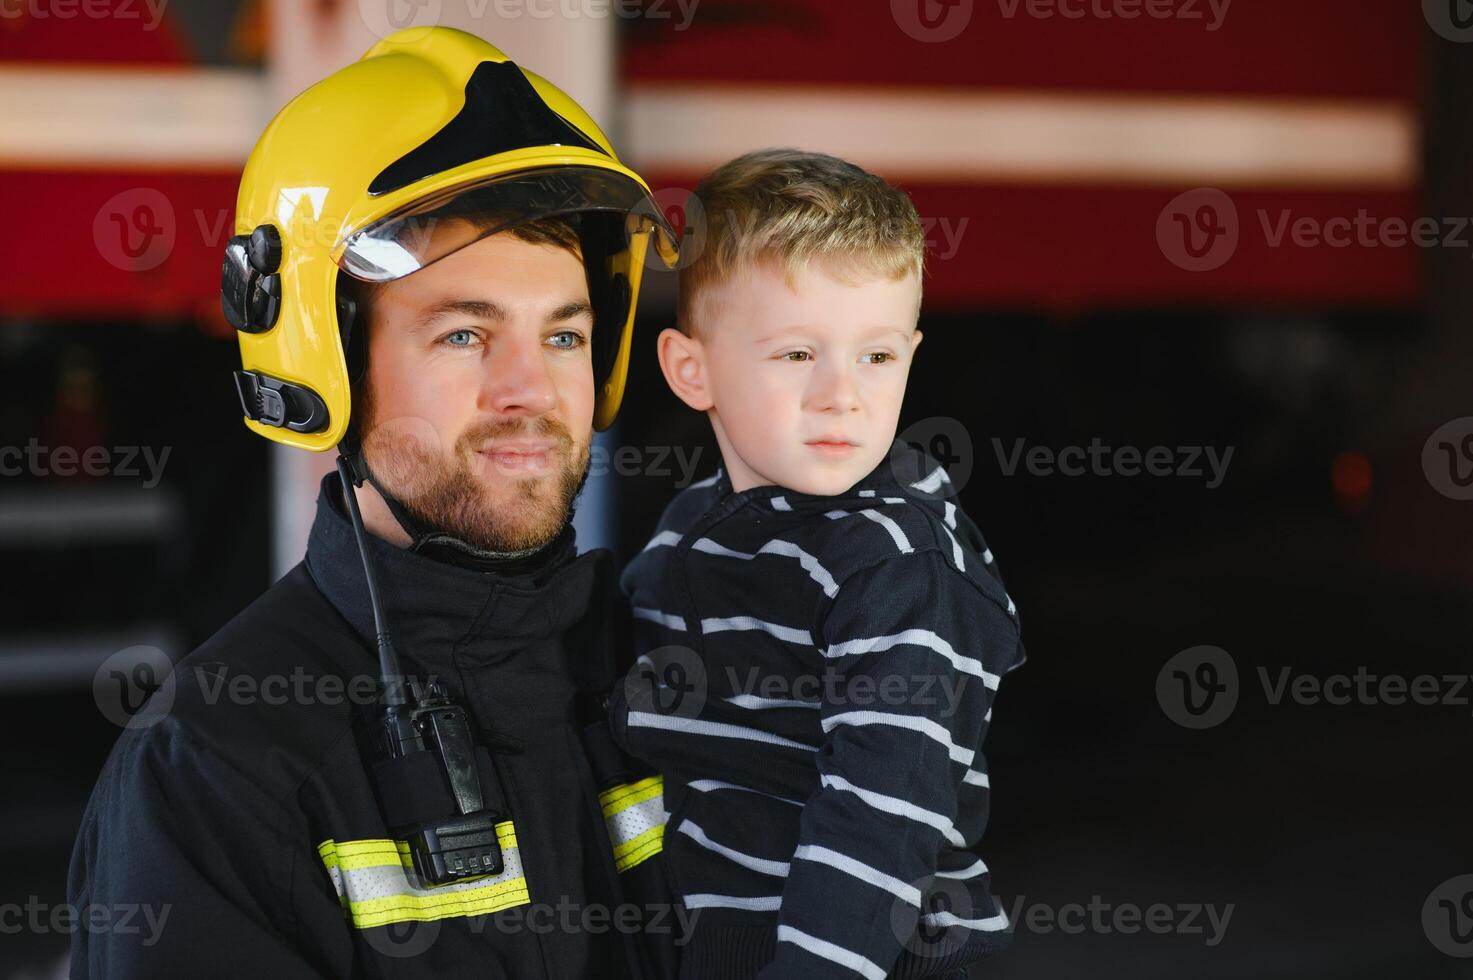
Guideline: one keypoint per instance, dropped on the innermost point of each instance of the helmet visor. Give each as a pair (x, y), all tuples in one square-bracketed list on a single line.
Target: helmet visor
[(433, 227)]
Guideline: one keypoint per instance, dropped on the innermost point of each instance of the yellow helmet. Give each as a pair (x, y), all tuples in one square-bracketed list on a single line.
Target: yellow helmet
[(361, 174)]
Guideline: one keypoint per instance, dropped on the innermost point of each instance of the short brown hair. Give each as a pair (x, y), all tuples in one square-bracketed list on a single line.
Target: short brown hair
[(791, 207)]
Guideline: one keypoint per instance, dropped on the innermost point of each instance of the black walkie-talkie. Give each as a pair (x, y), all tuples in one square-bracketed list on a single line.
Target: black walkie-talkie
[(458, 845)]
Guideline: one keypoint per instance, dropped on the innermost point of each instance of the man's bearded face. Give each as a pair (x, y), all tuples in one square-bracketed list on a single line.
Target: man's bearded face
[(489, 501), (477, 409)]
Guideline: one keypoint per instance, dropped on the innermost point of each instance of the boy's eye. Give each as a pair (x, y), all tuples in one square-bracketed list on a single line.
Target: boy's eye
[(881, 354), (796, 356), (568, 339), (459, 338)]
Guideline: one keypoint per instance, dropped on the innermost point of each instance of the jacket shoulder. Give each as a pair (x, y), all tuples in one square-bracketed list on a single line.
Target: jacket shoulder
[(272, 690)]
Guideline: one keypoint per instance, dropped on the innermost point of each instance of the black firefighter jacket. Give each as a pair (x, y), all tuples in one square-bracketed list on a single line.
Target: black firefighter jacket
[(245, 820)]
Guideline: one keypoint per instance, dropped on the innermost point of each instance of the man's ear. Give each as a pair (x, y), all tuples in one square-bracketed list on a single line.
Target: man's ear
[(683, 361)]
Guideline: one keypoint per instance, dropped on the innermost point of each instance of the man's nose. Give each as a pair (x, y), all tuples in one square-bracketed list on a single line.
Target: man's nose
[(517, 381)]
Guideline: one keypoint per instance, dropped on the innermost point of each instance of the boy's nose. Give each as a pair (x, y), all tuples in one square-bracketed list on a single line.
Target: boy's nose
[(834, 391)]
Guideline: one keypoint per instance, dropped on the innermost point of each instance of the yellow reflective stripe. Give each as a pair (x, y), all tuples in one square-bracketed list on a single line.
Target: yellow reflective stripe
[(423, 908), (641, 848), (376, 883), (354, 854), (635, 816), (624, 796)]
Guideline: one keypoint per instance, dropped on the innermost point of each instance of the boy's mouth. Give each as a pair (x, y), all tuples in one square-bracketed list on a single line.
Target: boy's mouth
[(832, 445)]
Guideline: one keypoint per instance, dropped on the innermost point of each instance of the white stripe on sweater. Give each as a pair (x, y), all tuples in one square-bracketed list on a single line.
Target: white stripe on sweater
[(780, 503), (898, 807), (778, 869), (956, 552), (970, 871), (707, 785), (709, 481), (761, 903), (757, 703), (945, 920), (933, 482), (893, 529), (824, 949), (716, 729), (776, 546), (667, 620), (976, 778), (665, 539), (860, 870), (915, 723), (914, 637), (718, 625)]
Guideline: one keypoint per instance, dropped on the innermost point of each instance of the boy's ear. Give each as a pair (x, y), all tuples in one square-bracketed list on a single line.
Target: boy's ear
[(683, 361), (915, 339)]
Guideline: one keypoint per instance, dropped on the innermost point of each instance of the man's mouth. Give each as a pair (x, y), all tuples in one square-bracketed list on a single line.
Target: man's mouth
[(524, 456)]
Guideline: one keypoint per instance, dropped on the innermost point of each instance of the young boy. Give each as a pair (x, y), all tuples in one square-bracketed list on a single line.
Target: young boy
[(820, 630)]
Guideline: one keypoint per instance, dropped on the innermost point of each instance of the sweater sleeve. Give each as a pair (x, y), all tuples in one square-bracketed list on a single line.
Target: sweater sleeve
[(912, 653)]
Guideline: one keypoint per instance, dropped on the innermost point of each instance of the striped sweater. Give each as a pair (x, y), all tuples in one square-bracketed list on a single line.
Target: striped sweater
[(815, 677)]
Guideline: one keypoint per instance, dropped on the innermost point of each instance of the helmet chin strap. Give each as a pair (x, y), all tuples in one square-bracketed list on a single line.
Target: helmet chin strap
[(442, 545)]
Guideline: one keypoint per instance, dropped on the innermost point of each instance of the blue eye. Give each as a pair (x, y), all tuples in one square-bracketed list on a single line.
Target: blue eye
[(460, 338), (573, 339)]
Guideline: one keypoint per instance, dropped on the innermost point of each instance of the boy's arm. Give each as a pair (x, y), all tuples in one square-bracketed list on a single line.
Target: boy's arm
[(912, 658)]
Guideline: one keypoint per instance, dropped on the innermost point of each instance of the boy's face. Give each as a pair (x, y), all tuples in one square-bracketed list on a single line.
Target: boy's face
[(803, 383)]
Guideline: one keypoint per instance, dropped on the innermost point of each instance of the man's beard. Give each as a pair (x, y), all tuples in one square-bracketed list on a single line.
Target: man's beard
[(441, 493)]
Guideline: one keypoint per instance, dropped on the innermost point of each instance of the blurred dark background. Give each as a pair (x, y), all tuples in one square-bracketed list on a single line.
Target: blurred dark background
[(1058, 312)]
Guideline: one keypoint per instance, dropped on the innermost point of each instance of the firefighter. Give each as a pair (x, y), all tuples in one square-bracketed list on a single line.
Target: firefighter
[(395, 761)]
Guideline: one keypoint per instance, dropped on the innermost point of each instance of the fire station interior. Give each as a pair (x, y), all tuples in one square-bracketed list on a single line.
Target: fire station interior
[(1336, 539)]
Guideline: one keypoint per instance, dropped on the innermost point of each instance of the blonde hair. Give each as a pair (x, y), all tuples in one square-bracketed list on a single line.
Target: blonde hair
[(791, 207)]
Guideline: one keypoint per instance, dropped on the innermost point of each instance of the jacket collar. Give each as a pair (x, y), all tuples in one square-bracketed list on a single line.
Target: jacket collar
[(906, 471), (442, 615)]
